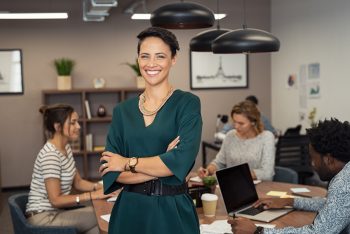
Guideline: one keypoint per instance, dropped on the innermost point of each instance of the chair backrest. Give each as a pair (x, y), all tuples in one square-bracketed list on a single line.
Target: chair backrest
[(292, 151), (17, 204), (293, 131), (287, 175)]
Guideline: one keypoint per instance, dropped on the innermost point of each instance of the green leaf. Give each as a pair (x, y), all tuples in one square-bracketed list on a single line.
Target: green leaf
[(64, 66), (135, 67), (209, 181)]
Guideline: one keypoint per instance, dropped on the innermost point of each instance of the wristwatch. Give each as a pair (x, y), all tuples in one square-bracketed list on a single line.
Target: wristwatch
[(77, 200), (132, 164), (259, 230)]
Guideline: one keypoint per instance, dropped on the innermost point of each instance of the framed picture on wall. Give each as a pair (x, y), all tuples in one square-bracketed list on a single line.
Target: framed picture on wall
[(11, 74), (218, 71)]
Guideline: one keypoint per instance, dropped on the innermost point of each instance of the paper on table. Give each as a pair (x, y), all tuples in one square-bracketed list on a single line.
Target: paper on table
[(106, 217), (112, 199), (300, 190), (287, 196), (222, 227), (196, 179), (265, 225), (257, 181), (276, 193), (216, 227)]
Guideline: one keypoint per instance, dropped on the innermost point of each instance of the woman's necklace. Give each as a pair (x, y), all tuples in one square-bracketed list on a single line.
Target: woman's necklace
[(142, 101)]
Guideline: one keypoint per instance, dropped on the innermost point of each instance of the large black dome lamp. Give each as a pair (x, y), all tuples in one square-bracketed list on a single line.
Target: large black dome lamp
[(246, 40), (183, 15), (202, 42)]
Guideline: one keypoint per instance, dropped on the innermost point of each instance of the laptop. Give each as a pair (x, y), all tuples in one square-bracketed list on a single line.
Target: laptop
[(239, 194)]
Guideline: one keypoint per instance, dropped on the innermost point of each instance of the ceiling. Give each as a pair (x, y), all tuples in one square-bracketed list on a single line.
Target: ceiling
[(72, 7)]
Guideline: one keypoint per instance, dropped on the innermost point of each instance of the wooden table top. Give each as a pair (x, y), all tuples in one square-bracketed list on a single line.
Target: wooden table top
[(295, 218)]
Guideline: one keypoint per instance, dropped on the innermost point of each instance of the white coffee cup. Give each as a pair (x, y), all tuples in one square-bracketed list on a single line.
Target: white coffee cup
[(209, 202)]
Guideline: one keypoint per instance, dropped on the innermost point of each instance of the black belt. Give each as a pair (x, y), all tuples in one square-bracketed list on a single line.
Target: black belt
[(156, 188)]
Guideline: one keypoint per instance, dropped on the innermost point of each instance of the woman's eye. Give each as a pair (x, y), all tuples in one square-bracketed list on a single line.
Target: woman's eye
[(160, 57), (144, 57)]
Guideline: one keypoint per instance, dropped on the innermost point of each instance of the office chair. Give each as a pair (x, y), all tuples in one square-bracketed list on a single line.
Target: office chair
[(286, 175), (17, 204), (293, 152), (293, 131)]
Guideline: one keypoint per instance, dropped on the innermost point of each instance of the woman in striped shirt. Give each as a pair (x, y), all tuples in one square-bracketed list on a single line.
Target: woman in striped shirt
[(54, 175)]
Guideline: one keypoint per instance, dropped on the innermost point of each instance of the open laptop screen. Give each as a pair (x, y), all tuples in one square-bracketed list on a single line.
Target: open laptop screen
[(237, 187)]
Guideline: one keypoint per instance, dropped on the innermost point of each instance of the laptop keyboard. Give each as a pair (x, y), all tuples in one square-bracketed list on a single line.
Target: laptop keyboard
[(252, 211)]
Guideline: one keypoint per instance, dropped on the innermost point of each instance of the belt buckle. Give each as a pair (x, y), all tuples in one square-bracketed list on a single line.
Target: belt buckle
[(148, 188), (155, 188)]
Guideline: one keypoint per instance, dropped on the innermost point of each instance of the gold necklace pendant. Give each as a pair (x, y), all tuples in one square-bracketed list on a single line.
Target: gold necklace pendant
[(142, 100)]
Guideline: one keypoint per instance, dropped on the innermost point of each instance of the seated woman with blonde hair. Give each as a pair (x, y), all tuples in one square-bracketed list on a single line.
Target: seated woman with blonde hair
[(247, 143)]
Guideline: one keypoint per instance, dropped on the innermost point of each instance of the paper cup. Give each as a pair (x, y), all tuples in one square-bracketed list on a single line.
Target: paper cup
[(209, 202)]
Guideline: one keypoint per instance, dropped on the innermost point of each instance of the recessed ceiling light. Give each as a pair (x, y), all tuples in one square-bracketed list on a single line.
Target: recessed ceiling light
[(145, 16), (138, 16), (52, 15)]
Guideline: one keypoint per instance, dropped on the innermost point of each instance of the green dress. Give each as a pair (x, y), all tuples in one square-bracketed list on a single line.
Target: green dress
[(135, 213)]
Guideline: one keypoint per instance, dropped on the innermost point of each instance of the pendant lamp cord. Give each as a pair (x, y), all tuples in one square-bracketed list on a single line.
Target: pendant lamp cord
[(217, 10), (244, 15)]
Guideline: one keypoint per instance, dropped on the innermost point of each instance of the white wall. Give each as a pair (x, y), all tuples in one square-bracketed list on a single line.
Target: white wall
[(311, 31)]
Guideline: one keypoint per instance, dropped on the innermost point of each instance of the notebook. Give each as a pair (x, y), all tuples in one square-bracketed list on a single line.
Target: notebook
[(239, 193)]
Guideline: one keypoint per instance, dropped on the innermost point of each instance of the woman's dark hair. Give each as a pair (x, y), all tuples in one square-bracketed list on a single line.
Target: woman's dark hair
[(251, 112), (331, 137), (168, 37), (53, 114)]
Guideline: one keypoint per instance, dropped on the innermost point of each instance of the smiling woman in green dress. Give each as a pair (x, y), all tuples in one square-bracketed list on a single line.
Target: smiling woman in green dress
[(152, 145)]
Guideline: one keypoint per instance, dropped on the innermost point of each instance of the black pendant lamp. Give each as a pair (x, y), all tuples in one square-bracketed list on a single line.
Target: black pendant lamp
[(245, 40), (202, 42), (183, 15)]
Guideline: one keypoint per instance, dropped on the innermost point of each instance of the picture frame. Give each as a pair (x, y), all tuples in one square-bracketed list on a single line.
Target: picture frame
[(11, 72), (218, 71)]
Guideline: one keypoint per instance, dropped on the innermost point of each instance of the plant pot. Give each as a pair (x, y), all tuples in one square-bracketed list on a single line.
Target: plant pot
[(140, 82), (64, 82)]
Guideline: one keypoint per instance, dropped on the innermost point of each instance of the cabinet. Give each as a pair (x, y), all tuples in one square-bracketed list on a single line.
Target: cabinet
[(87, 157)]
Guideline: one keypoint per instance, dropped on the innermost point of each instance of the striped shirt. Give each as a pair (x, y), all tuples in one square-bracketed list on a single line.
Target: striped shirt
[(50, 163)]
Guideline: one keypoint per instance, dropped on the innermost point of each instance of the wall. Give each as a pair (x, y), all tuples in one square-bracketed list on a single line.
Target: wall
[(99, 49), (311, 31)]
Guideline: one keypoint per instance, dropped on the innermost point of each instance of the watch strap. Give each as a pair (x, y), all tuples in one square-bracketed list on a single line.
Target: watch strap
[(132, 168)]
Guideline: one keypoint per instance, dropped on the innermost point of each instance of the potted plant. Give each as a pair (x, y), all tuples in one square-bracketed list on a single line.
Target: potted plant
[(140, 82), (210, 182), (64, 67)]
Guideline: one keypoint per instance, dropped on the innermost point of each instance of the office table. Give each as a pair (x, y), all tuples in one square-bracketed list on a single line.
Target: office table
[(211, 145), (295, 218)]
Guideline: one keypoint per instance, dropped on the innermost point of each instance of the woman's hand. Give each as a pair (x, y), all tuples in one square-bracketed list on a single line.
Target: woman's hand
[(112, 162), (98, 194), (173, 144), (203, 172), (253, 175)]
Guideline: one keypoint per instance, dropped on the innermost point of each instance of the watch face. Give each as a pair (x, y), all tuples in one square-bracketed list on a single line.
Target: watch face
[(132, 162)]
